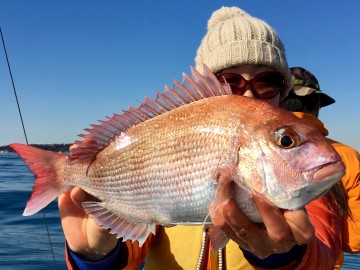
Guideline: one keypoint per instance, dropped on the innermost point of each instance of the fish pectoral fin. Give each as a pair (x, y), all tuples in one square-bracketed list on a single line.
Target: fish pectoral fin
[(225, 188), (217, 238), (127, 230)]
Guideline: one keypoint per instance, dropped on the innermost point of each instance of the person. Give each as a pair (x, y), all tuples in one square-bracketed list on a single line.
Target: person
[(305, 100), (236, 46)]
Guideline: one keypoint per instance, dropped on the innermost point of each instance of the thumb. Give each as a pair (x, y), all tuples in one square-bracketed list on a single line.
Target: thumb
[(78, 196)]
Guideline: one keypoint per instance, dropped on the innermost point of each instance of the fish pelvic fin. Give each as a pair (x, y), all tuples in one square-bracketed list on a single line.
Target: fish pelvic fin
[(127, 230), (194, 88), (46, 166)]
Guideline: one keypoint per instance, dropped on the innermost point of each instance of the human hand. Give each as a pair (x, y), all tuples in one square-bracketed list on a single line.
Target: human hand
[(83, 235), (281, 231)]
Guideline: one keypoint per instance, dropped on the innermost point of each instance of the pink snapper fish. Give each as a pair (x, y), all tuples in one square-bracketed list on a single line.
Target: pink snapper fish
[(160, 163)]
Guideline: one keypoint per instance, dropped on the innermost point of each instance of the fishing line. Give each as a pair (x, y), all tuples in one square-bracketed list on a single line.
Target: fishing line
[(23, 127)]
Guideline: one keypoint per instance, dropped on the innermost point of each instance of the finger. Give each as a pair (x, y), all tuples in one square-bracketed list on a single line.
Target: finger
[(65, 197), (234, 216), (276, 226), (79, 196), (220, 222), (300, 225), (71, 217), (66, 204), (241, 230)]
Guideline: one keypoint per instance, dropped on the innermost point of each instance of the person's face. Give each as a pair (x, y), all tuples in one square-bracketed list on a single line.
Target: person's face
[(315, 110), (248, 72)]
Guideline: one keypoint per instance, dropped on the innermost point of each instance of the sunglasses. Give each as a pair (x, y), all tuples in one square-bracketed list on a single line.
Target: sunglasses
[(264, 85)]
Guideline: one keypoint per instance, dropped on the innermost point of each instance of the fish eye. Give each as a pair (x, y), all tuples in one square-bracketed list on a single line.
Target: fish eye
[(286, 138)]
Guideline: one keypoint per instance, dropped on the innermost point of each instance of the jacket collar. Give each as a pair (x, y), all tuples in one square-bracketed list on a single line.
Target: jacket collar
[(313, 120)]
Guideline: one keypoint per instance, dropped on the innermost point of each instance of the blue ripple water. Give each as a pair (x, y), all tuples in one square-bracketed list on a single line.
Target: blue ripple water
[(24, 241)]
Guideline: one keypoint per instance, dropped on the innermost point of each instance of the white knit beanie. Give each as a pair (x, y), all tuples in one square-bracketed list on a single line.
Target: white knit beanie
[(234, 38)]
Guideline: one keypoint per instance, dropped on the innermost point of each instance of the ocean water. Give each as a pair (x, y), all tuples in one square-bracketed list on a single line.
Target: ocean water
[(24, 241)]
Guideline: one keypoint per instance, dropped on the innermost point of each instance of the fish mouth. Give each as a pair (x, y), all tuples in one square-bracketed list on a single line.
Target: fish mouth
[(328, 170), (325, 177), (322, 179)]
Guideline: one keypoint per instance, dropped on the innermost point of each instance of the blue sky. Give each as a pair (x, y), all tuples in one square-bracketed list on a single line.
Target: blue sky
[(75, 62)]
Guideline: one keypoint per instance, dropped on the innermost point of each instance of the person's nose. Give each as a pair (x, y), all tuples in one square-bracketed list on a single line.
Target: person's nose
[(248, 92)]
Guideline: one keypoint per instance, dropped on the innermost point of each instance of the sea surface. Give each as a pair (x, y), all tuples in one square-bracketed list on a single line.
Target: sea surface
[(24, 241)]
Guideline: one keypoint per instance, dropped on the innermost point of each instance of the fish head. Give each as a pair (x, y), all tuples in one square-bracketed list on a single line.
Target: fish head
[(287, 160)]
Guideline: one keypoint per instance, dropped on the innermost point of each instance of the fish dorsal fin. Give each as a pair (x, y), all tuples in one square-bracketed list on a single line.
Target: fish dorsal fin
[(192, 89)]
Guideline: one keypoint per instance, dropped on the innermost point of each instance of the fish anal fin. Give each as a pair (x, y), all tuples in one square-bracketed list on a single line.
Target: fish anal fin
[(127, 230), (217, 238)]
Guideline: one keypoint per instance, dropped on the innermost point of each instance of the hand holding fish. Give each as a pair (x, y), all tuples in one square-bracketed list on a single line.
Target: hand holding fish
[(283, 228), (83, 235)]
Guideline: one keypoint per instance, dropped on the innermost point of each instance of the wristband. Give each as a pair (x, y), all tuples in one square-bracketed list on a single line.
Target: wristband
[(109, 262), (277, 260)]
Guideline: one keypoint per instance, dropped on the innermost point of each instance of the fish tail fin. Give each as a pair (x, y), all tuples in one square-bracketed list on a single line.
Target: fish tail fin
[(49, 182)]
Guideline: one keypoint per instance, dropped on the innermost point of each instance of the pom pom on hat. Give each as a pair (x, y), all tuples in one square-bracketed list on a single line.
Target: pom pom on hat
[(234, 37), (224, 14)]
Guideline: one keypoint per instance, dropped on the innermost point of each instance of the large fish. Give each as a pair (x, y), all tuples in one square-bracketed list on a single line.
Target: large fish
[(161, 163)]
